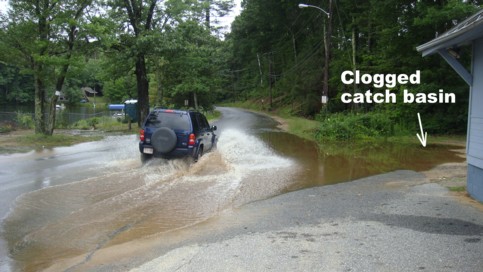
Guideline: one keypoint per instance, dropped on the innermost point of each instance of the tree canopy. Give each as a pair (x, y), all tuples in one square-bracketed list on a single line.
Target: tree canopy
[(278, 46), (167, 52), (127, 48)]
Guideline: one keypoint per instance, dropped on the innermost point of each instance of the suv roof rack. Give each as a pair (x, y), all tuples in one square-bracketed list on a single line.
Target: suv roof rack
[(175, 110)]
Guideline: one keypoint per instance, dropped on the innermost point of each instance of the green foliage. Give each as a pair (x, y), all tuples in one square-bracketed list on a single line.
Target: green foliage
[(41, 39), (348, 126), (25, 120), (105, 123), (89, 123), (212, 115), (457, 188), (194, 71), (6, 127), (276, 42), (15, 87)]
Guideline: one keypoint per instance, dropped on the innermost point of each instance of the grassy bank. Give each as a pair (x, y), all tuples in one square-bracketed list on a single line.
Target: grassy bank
[(26, 140), (349, 129), (302, 127)]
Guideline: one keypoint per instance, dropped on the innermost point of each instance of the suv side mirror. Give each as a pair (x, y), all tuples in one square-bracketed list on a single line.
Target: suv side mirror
[(213, 128)]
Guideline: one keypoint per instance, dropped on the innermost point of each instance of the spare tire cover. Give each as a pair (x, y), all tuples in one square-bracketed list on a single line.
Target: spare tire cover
[(164, 140)]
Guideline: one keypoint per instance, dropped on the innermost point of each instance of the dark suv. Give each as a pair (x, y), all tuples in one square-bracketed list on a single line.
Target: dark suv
[(176, 133)]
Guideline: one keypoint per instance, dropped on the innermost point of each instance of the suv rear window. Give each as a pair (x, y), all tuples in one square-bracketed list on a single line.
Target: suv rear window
[(173, 120)]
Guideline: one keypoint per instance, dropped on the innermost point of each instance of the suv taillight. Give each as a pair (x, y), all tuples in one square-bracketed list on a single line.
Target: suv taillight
[(191, 141), (141, 135)]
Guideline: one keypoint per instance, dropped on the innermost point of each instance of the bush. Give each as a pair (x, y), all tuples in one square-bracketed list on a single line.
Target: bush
[(93, 122), (346, 126), (81, 124), (105, 123), (25, 120), (6, 127)]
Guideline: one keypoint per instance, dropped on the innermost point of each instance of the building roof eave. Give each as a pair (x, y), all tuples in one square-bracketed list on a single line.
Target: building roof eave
[(463, 33)]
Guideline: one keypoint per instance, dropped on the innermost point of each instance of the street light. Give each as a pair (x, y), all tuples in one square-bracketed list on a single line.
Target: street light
[(311, 6), (327, 34)]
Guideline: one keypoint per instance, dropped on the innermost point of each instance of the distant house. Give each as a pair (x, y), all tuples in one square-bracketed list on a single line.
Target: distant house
[(88, 92), (468, 32), (62, 97)]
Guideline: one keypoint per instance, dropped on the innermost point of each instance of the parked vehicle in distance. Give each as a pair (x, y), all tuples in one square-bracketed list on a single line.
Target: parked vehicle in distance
[(176, 133)]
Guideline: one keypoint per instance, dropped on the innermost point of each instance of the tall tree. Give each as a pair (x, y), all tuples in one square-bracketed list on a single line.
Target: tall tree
[(40, 38), (144, 34), (197, 69), (140, 17), (373, 36)]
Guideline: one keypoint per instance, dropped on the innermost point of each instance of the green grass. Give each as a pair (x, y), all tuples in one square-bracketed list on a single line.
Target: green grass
[(457, 189), (105, 123), (349, 132), (302, 127), (42, 141), (213, 115)]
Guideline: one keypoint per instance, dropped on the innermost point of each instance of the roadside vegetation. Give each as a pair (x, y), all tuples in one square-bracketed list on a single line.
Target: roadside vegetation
[(26, 140), (280, 67), (351, 129), (172, 54), (19, 136)]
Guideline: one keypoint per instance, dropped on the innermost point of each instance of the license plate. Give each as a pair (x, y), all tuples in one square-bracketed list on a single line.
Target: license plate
[(148, 150)]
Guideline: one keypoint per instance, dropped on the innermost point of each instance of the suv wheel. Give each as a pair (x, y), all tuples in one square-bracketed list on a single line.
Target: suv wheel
[(164, 140), (198, 154)]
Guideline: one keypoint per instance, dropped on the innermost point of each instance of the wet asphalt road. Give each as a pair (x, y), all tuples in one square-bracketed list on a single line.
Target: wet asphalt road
[(27, 172), (79, 198), (391, 222)]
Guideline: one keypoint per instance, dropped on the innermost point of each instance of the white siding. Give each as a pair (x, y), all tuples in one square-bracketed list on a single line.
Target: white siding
[(475, 118)]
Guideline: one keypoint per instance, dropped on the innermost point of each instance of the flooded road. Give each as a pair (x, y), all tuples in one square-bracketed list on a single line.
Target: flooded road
[(73, 201)]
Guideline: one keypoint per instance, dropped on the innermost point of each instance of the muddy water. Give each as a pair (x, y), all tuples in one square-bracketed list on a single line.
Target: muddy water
[(134, 201), (349, 161), (120, 200)]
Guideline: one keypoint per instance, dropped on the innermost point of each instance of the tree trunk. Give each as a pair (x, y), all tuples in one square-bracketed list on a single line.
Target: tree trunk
[(143, 88), (39, 100), (270, 82), (159, 86), (59, 85), (52, 114), (38, 67), (207, 14), (195, 98), (55, 97)]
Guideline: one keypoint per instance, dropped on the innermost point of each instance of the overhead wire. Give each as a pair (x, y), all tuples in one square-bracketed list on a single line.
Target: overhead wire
[(282, 40)]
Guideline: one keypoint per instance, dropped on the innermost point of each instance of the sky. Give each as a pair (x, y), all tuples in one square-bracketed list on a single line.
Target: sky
[(3, 5), (224, 21), (227, 20)]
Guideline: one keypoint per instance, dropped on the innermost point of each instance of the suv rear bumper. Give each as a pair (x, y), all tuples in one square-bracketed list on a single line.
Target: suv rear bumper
[(177, 152)]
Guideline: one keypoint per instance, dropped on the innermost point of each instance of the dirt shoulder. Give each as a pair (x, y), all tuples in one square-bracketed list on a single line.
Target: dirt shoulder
[(453, 177)]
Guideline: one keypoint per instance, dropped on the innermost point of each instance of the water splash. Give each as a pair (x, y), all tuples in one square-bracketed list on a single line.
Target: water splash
[(125, 200)]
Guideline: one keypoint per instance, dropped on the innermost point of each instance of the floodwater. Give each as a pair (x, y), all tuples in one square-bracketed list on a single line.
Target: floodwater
[(77, 200)]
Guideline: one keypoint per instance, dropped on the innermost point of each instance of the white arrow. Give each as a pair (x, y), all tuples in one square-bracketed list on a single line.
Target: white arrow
[(424, 135)]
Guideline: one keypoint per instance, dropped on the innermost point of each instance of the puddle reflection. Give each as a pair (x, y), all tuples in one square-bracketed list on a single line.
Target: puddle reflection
[(334, 163)]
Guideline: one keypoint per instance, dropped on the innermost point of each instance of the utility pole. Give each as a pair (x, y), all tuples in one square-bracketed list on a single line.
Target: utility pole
[(327, 44), (270, 81), (354, 67), (260, 69)]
